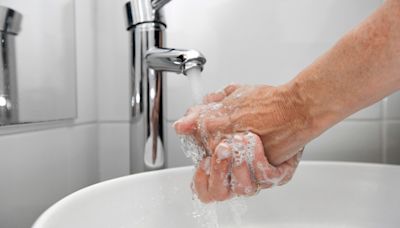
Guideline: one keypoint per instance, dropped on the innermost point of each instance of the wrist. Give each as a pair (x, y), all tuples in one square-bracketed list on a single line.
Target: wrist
[(315, 114), (296, 110)]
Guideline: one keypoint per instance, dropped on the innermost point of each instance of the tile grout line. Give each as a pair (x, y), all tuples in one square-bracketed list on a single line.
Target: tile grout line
[(383, 131), (53, 124), (41, 126)]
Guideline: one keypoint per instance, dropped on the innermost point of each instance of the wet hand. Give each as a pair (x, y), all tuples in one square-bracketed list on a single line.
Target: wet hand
[(276, 115), (239, 167)]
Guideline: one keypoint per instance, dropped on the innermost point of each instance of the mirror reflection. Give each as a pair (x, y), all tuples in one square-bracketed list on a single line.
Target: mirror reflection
[(37, 61)]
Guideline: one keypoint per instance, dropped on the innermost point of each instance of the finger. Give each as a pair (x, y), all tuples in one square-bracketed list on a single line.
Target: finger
[(229, 89), (279, 158), (200, 181), (217, 124), (218, 185), (261, 165), (268, 175), (290, 167), (214, 97), (187, 125), (242, 182), (221, 94)]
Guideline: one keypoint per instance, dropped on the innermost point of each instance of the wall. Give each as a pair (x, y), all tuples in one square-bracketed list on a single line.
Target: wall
[(245, 42), (41, 163), (113, 89)]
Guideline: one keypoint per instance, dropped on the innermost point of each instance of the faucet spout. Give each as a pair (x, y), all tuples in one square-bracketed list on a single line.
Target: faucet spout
[(174, 60), (149, 60)]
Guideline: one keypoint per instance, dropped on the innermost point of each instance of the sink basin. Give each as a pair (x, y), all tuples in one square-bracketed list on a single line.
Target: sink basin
[(322, 194)]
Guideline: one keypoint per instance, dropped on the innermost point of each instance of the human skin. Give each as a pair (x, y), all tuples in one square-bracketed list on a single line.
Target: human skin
[(360, 69), (222, 175)]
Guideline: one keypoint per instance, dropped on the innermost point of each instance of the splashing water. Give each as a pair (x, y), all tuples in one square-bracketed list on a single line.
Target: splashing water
[(207, 214), (194, 76), (192, 149)]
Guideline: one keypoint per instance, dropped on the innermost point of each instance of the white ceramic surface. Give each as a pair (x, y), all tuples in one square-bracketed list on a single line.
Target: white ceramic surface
[(322, 194)]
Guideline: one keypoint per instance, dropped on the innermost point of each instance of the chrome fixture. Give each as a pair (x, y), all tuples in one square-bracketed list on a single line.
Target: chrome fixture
[(149, 59), (10, 21)]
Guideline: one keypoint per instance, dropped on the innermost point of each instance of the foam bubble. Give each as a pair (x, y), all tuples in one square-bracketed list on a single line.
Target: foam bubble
[(192, 149), (214, 106)]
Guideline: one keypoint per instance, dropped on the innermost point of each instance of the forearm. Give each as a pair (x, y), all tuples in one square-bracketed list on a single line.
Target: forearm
[(362, 68)]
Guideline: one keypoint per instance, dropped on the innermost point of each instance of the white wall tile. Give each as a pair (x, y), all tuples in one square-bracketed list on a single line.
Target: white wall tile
[(348, 141), (373, 112), (33, 175), (112, 61), (83, 160), (86, 60), (393, 142), (113, 150), (39, 168), (393, 107)]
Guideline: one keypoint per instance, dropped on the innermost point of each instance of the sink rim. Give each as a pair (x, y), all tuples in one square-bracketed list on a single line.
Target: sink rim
[(53, 209)]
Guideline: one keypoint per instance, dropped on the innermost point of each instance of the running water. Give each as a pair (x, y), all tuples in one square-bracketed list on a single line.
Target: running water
[(194, 76), (206, 214)]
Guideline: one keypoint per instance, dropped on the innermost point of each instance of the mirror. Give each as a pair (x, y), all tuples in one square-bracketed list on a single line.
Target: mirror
[(37, 62)]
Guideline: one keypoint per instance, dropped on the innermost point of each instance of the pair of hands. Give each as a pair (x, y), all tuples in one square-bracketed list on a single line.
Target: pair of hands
[(247, 140)]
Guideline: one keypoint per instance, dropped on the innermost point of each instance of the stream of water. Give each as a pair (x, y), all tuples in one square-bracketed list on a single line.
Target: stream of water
[(194, 76), (207, 214)]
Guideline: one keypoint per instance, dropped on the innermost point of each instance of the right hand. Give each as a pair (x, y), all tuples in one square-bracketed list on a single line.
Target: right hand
[(275, 114)]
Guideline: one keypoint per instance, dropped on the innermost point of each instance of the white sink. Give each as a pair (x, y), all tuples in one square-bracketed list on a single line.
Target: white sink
[(322, 194)]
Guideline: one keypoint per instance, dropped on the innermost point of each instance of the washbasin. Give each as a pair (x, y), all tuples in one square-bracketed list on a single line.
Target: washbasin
[(321, 194)]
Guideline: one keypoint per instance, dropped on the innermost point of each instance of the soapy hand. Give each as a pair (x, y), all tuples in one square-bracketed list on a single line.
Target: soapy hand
[(232, 160), (238, 167), (276, 115)]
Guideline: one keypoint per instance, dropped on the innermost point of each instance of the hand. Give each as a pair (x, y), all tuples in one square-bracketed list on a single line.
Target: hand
[(238, 167), (275, 114)]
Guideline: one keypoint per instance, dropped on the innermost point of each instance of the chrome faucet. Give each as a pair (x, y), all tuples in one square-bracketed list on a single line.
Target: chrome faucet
[(149, 59)]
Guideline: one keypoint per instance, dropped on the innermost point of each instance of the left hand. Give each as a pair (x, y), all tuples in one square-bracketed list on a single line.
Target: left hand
[(238, 166)]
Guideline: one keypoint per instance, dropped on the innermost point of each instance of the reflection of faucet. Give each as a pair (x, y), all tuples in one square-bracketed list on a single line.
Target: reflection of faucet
[(10, 21), (149, 60)]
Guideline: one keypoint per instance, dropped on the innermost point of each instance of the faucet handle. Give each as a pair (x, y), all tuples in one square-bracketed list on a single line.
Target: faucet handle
[(158, 4), (144, 11)]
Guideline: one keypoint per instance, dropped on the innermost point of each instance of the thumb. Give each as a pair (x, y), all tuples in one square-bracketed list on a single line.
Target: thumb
[(187, 124)]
